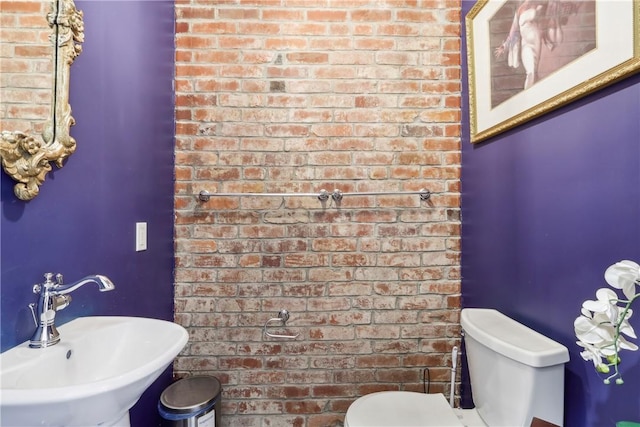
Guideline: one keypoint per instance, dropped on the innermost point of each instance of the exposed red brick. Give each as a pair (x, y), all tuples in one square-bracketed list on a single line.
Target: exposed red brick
[(298, 96)]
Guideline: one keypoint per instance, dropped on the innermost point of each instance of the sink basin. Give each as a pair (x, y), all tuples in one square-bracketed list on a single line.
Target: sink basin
[(93, 376)]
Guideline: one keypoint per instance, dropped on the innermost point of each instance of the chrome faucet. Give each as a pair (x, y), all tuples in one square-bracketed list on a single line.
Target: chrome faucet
[(53, 296)]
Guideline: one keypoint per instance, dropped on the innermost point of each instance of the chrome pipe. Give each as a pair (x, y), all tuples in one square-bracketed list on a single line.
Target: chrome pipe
[(205, 196)]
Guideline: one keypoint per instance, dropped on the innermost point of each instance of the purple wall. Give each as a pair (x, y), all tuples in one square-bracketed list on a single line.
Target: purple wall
[(546, 208), (83, 221)]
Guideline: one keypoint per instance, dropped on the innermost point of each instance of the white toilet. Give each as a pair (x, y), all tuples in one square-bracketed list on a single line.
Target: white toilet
[(516, 374)]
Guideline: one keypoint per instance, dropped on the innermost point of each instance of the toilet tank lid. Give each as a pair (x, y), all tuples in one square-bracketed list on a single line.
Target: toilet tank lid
[(512, 339)]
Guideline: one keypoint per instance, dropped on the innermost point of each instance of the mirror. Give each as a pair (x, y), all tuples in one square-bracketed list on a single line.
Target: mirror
[(25, 157)]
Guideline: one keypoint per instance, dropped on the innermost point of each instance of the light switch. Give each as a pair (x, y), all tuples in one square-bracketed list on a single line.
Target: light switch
[(141, 236)]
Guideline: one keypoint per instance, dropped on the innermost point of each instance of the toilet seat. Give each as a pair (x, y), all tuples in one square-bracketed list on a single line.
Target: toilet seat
[(401, 409)]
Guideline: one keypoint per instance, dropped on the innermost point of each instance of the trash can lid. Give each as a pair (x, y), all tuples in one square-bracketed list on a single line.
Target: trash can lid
[(191, 394)]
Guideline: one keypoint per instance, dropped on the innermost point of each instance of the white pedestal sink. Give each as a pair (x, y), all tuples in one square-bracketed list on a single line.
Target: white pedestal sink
[(92, 377)]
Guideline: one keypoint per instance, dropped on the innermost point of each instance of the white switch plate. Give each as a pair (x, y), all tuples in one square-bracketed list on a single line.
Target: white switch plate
[(141, 236)]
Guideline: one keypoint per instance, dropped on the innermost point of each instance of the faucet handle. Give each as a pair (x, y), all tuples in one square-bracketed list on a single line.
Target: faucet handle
[(36, 289), (32, 306), (49, 282)]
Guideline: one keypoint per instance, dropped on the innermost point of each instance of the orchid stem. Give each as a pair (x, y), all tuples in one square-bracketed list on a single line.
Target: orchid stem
[(618, 325)]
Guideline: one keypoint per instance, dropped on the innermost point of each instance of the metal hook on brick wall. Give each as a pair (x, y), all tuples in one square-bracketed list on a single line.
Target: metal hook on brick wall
[(283, 316)]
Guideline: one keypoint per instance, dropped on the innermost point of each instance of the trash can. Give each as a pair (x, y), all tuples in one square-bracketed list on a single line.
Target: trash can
[(191, 402)]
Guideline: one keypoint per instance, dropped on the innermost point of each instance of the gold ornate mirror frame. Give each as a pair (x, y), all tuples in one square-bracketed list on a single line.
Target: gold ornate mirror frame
[(26, 158)]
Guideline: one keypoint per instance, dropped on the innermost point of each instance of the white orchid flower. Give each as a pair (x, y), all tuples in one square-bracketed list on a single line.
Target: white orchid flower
[(625, 327), (603, 324), (624, 275), (605, 303), (626, 345), (592, 353), (594, 328)]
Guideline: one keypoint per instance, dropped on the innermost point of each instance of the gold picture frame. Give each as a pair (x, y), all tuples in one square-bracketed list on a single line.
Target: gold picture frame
[(528, 57)]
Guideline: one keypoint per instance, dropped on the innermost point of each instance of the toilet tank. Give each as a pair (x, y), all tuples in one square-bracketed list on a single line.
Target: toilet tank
[(516, 373)]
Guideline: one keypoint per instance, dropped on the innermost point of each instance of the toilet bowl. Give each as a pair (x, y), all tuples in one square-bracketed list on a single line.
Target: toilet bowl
[(516, 374), (407, 409)]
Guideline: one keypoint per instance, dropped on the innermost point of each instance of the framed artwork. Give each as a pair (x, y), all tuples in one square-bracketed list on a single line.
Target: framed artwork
[(528, 57)]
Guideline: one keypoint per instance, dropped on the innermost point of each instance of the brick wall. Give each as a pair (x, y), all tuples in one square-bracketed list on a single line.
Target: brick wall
[(297, 96), (25, 66)]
